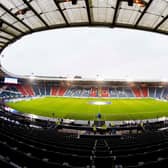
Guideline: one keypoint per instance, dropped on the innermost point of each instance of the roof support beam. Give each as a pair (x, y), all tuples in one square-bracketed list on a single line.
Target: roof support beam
[(115, 12), (160, 23), (60, 10), (10, 25), (9, 33), (35, 12), (144, 11), (2, 42), (8, 39), (88, 10), (2, 45), (19, 20)]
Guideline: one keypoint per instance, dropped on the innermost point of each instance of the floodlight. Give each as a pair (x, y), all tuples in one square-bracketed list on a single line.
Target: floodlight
[(164, 80), (32, 77), (129, 80), (70, 78), (22, 11), (99, 78), (140, 3)]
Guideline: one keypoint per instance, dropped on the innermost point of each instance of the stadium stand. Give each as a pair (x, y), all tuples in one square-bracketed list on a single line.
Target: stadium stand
[(22, 90), (93, 92), (137, 92), (129, 92), (121, 92), (9, 92), (36, 90), (61, 91), (105, 92), (42, 90), (25, 141), (70, 91), (165, 92), (82, 91), (85, 92), (152, 91), (29, 90), (145, 91), (53, 91), (113, 92), (158, 92), (48, 90), (77, 92), (24, 146)]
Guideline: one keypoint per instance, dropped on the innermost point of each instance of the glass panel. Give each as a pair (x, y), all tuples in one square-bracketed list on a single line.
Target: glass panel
[(103, 11), (155, 13), (75, 13), (164, 26), (48, 11), (128, 14)]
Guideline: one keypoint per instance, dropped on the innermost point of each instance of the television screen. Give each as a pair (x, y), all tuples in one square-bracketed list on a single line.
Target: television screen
[(11, 80)]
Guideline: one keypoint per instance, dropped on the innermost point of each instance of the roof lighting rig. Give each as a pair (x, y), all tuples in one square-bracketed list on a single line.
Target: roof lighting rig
[(140, 3), (74, 2), (22, 11)]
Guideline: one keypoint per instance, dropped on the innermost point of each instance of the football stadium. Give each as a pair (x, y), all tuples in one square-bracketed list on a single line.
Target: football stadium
[(77, 121)]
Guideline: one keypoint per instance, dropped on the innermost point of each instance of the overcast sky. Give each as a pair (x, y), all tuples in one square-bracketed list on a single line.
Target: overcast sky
[(109, 53)]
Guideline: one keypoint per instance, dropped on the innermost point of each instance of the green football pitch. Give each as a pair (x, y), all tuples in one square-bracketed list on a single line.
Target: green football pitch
[(81, 109)]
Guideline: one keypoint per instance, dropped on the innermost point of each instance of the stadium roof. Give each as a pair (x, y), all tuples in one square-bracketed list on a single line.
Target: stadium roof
[(21, 17)]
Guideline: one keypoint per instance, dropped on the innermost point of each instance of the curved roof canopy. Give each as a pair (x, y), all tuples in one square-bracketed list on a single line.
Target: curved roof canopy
[(21, 17)]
